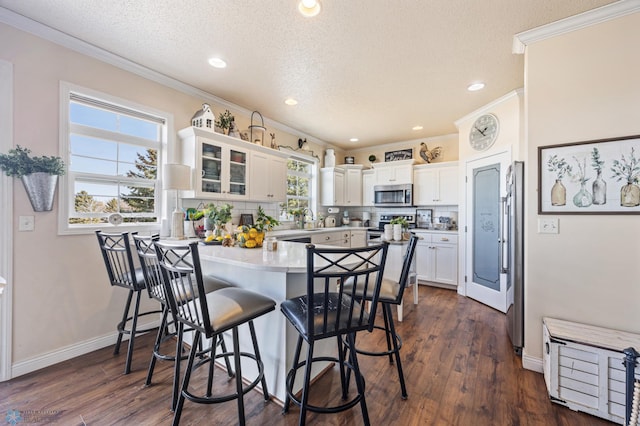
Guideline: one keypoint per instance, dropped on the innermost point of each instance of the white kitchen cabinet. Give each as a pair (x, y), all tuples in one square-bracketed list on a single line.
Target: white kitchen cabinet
[(220, 167), (358, 238), (394, 172), (268, 177), (353, 185), (435, 184), (437, 258), (583, 367), (368, 182), (219, 170), (332, 184), (341, 238)]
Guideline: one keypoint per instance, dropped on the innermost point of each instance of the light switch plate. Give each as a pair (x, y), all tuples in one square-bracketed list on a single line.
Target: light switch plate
[(26, 223), (548, 225)]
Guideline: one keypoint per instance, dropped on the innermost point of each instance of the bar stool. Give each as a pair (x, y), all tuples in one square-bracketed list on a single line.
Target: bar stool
[(329, 310), (155, 286), (391, 293), (210, 315), (122, 272)]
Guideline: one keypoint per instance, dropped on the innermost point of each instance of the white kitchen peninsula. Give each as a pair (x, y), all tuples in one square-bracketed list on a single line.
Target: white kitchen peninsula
[(279, 275)]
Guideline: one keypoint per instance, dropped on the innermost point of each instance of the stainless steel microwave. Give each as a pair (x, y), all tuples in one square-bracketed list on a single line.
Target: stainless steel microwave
[(393, 195)]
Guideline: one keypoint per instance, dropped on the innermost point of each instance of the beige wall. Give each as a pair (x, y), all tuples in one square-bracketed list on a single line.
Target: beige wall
[(61, 296), (580, 86), (449, 144)]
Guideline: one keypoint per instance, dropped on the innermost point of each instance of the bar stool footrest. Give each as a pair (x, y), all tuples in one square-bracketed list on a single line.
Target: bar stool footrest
[(317, 409)]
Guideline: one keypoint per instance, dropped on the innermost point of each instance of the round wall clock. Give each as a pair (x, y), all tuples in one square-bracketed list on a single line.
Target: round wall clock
[(484, 132), (115, 219)]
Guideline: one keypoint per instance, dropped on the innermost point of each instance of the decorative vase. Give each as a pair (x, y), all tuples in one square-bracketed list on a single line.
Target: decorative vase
[(397, 232), (329, 158), (218, 230), (630, 195), (558, 194), (189, 230), (599, 187), (583, 198), (41, 188)]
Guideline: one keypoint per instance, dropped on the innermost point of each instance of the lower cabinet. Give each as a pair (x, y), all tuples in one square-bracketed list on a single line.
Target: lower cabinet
[(437, 258), (358, 238), (583, 367), (335, 238)]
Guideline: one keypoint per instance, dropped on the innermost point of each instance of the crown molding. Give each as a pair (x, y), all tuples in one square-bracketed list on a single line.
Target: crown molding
[(488, 107), (572, 23), (65, 40)]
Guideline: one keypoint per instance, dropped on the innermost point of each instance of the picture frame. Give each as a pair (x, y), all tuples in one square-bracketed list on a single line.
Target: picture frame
[(246, 219), (591, 177), (401, 154)]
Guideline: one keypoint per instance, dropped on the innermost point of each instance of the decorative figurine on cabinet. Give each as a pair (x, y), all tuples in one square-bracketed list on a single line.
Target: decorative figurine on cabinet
[(204, 118), (273, 141), (429, 155)]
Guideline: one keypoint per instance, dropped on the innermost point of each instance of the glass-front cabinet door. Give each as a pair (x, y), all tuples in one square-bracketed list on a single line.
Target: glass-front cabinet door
[(237, 172), (223, 171), (211, 172)]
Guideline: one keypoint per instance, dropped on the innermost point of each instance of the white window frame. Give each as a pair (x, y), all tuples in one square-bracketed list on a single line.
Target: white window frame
[(66, 192), (313, 189)]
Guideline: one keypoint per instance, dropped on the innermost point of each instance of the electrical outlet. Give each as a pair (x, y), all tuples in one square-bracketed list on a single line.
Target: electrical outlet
[(26, 223), (548, 225)]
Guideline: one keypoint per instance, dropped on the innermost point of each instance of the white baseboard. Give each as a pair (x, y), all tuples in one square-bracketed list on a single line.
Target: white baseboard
[(531, 363), (72, 351)]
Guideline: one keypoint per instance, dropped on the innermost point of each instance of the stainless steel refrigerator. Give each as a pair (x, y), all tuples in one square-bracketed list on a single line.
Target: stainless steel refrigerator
[(513, 253)]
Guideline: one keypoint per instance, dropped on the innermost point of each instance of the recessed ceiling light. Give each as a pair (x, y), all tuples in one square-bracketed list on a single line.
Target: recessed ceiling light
[(354, 140), (475, 87), (309, 8), (417, 128), (290, 101), (217, 63)]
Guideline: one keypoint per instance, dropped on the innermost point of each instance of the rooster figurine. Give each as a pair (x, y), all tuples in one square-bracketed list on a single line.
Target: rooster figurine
[(429, 155)]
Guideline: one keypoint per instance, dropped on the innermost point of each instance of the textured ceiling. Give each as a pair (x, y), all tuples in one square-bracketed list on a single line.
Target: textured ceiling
[(370, 69)]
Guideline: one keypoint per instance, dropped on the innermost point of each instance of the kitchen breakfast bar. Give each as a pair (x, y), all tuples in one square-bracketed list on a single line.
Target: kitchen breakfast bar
[(280, 275)]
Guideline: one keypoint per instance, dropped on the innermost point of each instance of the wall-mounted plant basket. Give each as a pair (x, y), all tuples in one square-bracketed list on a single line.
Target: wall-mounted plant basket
[(41, 189)]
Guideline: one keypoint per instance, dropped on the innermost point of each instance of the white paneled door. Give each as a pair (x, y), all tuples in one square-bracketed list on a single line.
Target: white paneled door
[(485, 188)]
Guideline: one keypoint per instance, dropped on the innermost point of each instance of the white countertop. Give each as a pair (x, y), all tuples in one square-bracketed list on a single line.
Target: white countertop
[(290, 257)]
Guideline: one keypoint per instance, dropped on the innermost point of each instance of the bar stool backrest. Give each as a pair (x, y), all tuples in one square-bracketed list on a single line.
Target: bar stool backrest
[(118, 259), (182, 278), (406, 265), (150, 267), (331, 310)]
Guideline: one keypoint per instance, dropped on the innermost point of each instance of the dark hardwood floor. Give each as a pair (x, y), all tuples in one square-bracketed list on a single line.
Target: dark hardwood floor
[(459, 366)]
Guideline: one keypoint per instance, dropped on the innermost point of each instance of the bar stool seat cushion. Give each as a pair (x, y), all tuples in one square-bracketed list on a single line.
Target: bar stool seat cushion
[(388, 291), (232, 306), (296, 311)]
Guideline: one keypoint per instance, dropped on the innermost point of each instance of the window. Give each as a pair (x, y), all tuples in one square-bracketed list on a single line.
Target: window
[(300, 184), (113, 155)]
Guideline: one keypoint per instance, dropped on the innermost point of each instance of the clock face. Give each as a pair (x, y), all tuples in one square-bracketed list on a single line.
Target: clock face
[(484, 132)]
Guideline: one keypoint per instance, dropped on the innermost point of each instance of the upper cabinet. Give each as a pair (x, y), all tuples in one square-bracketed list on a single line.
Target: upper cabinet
[(221, 166), (394, 172), (268, 177), (341, 186), (332, 186), (368, 182), (435, 184), (353, 185)]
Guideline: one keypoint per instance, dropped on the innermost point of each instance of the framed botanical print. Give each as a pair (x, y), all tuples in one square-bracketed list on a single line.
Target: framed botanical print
[(592, 177)]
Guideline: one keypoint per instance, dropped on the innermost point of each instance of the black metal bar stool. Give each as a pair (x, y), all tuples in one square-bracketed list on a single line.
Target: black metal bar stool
[(210, 314), (329, 310), (122, 272), (155, 286), (391, 293)]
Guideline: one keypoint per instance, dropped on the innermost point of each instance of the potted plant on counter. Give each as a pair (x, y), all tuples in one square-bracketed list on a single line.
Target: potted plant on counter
[(218, 217), (39, 175)]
